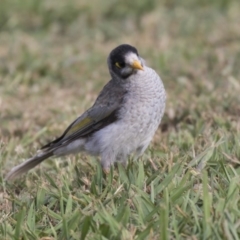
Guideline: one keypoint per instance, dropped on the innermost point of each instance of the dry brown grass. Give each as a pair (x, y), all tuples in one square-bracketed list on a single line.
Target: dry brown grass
[(53, 64)]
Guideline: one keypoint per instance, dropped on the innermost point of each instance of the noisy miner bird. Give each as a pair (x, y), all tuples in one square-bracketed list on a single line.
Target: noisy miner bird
[(122, 121)]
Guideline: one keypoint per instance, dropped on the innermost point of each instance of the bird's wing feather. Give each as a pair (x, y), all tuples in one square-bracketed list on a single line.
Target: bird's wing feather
[(102, 113)]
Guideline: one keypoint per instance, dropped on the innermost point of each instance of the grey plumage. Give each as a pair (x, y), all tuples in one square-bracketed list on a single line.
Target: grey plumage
[(122, 120)]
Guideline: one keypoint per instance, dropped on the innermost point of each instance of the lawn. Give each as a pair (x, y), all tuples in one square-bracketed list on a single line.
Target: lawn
[(52, 67)]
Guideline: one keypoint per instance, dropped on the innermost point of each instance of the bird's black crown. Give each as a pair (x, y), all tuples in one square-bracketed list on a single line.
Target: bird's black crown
[(118, 53), (117, 60)]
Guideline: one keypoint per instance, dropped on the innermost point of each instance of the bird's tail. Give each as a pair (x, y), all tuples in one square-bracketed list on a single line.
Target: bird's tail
[(27, 165)]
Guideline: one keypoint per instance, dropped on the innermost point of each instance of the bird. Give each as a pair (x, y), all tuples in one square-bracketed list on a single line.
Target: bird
[(122, 121)]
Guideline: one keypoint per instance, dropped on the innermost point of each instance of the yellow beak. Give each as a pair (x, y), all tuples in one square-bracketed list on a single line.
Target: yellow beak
[(137, 65)]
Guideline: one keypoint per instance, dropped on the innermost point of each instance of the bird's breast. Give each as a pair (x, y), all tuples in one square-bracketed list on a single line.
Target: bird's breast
[(144, 102)]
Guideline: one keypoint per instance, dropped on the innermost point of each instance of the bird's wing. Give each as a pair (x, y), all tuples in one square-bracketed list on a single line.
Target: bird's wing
[(102, 113)]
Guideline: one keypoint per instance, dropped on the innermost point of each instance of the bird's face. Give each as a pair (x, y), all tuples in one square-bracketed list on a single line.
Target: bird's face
[(124, 61)]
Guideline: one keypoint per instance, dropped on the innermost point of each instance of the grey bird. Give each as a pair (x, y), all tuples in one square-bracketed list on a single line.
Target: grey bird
[(122, 121)]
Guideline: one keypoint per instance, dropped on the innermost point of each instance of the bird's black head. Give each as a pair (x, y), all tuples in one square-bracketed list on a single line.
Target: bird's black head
[(124, 61)]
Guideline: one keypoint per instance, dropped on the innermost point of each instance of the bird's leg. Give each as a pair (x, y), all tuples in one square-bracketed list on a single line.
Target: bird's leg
[(106, 170), (122, 159), (107, 160), (124, 163)]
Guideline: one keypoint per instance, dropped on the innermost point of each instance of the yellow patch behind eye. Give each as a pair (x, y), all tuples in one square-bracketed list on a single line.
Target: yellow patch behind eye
[(117, 65)]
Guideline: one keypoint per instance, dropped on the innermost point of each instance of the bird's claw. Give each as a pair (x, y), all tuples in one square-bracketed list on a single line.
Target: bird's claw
[(106, 170)]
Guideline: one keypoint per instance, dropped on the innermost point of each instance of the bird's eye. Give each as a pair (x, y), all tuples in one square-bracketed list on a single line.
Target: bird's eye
[(119, 64)]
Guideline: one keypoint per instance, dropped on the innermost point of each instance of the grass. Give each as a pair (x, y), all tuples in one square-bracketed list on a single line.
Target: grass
[(52, 66)]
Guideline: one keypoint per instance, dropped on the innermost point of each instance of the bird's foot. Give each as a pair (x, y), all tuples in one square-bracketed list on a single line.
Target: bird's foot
[(106, 170)]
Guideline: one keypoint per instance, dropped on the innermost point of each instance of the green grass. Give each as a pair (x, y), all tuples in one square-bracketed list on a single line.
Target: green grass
[(52, 66)]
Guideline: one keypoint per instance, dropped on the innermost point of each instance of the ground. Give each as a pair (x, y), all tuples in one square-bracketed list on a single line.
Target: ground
[(53, 65)]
